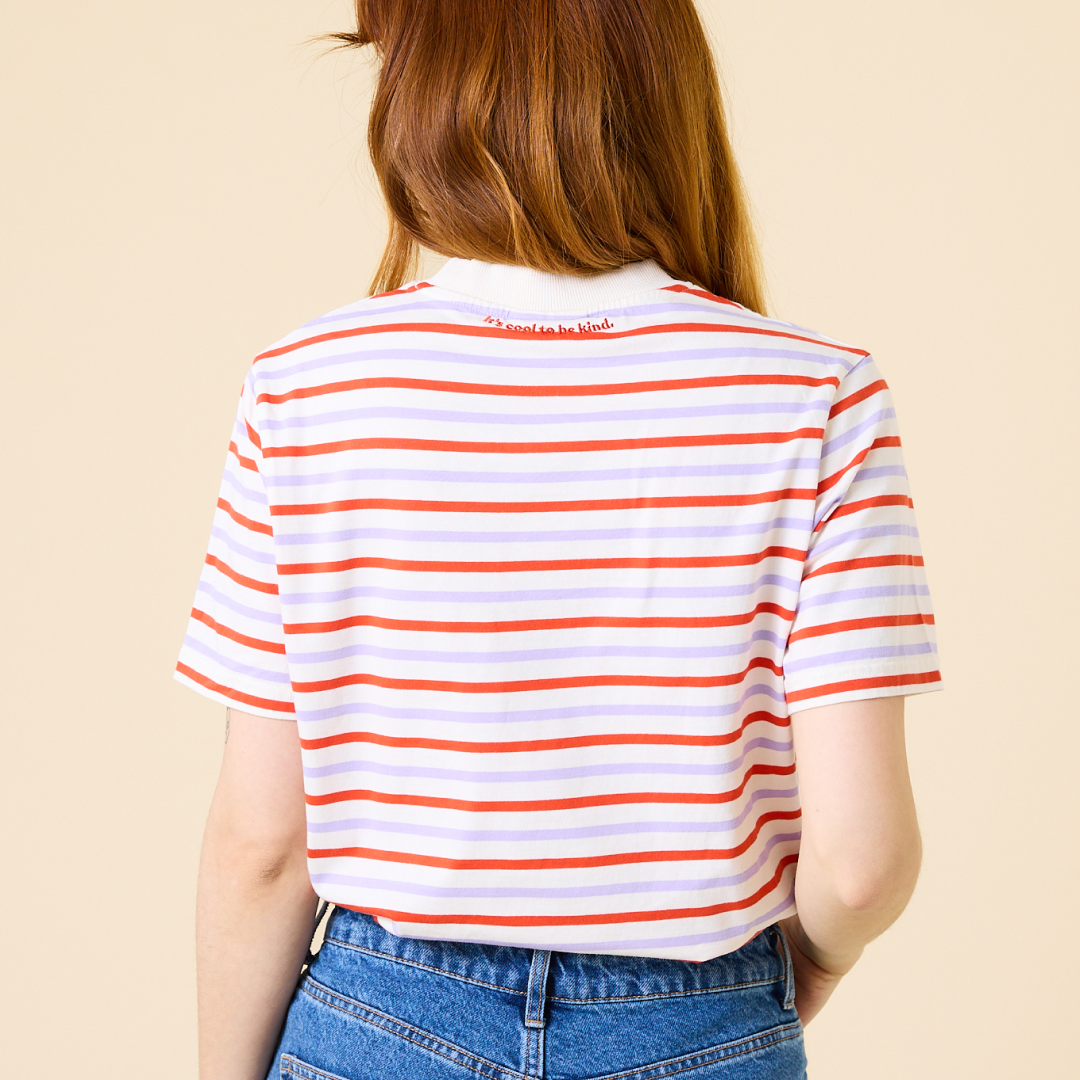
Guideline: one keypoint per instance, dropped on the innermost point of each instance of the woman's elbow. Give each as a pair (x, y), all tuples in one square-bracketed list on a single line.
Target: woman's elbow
[(256, 857), (267, 865), (882, 881)]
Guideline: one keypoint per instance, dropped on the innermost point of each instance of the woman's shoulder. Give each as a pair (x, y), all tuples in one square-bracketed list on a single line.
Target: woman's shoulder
[(706, 305), (341, 323), (422, 305)]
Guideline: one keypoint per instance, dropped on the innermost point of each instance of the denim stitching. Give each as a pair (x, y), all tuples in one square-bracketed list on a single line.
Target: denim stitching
[(424, 967), (429, 1042), (668, 994), (787, 968), (551, 997), (702, 1058), (304, 1070)]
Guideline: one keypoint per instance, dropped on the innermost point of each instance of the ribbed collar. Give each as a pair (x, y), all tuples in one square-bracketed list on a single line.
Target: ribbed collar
[(520, 288)]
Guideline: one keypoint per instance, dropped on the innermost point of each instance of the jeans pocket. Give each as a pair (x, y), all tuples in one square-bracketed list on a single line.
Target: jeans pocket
[(291, 1068), (787, 968)]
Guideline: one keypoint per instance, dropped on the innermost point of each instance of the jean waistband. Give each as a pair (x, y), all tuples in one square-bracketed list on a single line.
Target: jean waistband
[(573, 976)]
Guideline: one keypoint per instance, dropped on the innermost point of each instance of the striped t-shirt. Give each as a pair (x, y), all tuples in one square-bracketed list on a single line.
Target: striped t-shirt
[(541, 565)]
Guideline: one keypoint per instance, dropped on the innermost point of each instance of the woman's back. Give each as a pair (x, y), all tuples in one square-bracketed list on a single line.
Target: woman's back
[(539, 564)]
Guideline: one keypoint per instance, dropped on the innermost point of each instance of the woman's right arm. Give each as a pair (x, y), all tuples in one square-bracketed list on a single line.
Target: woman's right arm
[(256, 908), (860, 851)]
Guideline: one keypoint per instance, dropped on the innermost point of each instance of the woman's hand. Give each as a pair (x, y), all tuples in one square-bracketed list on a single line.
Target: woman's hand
[(813, 984)]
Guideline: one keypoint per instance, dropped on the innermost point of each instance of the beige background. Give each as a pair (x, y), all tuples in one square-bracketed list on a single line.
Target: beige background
[(183, 183)]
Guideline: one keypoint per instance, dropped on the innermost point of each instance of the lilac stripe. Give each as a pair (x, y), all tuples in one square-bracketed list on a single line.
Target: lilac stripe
[(862, 362), (530, 776), (529, 716), (251, 494), (537, 536), (651, 355), (272, 618), (455, 416), (265, 557), (853, 433), (827, 542), (581, 892), (261, 674), (870, 593), (850, 655), (879, 472), (447, 596), (527, 655), (515, 836), (347, 476), (825, 506)]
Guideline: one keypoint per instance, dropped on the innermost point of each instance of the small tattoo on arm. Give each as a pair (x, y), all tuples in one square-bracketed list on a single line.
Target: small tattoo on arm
[(228, 721)]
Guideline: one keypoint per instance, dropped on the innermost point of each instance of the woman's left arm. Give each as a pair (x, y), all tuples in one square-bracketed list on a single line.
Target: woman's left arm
[(255, 910)]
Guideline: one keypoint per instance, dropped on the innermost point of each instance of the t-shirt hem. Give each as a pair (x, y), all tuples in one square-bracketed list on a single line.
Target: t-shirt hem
[(863, 686), (499, 937), (234, 699)]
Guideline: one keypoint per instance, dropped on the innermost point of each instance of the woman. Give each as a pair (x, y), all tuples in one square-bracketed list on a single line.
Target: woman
[(528, 586)]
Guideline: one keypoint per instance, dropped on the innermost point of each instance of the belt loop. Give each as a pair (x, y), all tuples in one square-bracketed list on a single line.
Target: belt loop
[(535, 1012), (536, 996)]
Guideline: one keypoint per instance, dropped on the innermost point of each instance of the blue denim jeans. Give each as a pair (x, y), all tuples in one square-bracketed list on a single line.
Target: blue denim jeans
[(375, 1006)]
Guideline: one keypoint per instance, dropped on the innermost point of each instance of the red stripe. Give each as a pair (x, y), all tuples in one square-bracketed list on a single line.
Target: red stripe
[(625, 858), (245, 462), (248, 523), (400, 292), (515, 806), (877, 444), (588, 390), (861, 624), (530, 335), (860, 395), (589, 920), (234, 635), (430, 626), (656, 502), (537, 745), (449, 446), (418, 566), (517, 686), (241, 579), (866, 684), (864, 504), (253, 436), (865, 564), (235, 695), (705, 295)]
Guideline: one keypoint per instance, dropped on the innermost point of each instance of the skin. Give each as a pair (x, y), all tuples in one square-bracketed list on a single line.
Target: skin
[(860, 851), (858, 862), (255, 908)]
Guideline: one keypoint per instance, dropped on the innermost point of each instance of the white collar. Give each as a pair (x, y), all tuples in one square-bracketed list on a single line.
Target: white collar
[(521, 288)]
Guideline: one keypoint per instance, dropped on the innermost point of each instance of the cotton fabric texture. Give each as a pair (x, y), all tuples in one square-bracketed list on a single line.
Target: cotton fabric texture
[(541, 565), (379, 1007)]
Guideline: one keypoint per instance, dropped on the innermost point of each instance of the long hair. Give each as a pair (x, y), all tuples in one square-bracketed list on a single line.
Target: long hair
[(572, 136)]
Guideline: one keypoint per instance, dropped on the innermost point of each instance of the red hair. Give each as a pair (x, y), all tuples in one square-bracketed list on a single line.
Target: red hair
[(572, 136)]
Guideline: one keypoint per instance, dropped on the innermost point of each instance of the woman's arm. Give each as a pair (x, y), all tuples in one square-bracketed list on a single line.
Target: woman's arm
[(860, 851), (256, 909)]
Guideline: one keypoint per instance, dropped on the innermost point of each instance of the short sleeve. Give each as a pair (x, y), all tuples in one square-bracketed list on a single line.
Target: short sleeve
[(863, 625), (234, 650)]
